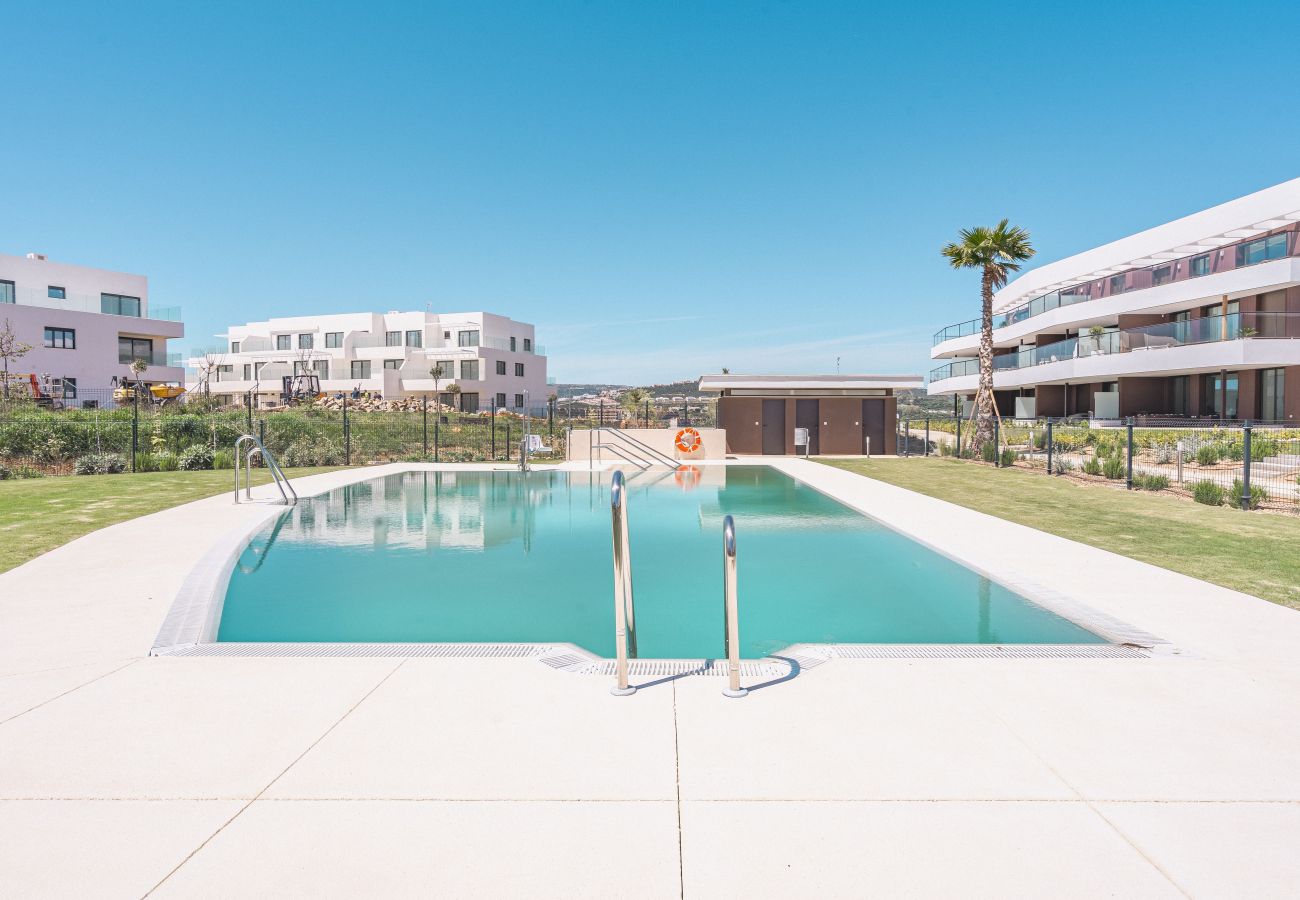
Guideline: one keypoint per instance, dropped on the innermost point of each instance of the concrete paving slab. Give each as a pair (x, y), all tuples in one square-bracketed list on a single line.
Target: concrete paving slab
[(312, 848), (172, 728), (21, 693), (100, 848), (853, 729), (910, 849), (493, 729), (1242, 850)]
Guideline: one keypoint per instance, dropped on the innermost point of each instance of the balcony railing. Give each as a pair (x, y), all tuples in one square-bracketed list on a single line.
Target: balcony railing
[(1219, 259), (155, 358), (1205, 330), (93, 303)]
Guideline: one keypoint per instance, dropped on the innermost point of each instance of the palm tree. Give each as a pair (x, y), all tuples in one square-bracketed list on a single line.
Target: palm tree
[(996, 252)]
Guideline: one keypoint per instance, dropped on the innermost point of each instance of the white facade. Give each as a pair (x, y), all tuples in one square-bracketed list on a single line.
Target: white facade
[(1196, 317), (491, 359), (85, 325)]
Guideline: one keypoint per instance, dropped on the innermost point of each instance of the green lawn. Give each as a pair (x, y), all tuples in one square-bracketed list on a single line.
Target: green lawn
[(1254, 552), (39, 514)]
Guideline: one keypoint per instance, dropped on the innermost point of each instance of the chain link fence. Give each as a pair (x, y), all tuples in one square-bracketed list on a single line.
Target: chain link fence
[(1241, 464)]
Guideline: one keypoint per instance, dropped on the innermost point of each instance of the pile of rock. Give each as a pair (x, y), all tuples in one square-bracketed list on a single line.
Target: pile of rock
[(371, 402)]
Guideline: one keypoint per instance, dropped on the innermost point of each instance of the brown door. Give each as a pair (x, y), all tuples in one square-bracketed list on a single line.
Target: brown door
[(873, 426), (774, 427), (807, 415)]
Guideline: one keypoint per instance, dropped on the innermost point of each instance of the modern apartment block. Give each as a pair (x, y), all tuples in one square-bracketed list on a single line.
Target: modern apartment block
[(1196, 318), (490, 359), (85, 326)]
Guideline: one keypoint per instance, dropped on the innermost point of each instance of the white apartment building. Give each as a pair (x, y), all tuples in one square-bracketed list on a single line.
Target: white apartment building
[(85, 326), (1196, 318), (492, 360)]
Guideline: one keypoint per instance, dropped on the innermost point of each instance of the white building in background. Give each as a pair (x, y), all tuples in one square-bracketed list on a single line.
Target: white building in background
[(491, 359), (85, 326)]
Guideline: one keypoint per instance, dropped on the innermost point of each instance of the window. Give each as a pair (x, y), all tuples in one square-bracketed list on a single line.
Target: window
[(1219, 395), (69, 389), (1181, 385), (1200, 265), (1117, 283), (519, 370), (283, 341), (1261, 250), (528, 345), (6, 292), (415, 339), (306, 341), (519, 401), (501, 401), (333, 340), (1162, 275), (248, 371), (61, 338), (129, 348), (442, 368), (512, 345), (392, 339), (302, 367), (234, 346), (446, 335), (322, 368), (469, 369), (119, 305), (55, 292), (501, 367), (392, 364), (360, 368), (469, 402), (1271, 382), (467, 339)]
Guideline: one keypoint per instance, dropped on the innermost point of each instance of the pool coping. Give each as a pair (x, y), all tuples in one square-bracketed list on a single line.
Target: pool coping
[(190, 626)]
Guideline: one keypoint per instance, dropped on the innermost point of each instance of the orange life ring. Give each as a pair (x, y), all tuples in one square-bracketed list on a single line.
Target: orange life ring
[(688, 440), (687, 477)]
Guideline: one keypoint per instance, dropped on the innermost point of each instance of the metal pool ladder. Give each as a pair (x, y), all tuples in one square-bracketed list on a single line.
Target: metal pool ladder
[(624, 611), (730, 611), (277, 474)]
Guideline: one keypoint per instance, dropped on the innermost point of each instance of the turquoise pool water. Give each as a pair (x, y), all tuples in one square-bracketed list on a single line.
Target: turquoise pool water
[(504, 556)]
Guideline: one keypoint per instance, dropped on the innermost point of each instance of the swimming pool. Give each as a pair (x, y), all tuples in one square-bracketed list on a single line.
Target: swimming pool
[(500, 556)]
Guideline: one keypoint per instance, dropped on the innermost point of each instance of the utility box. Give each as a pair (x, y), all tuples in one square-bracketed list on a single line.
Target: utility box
[(1026, 407), (801, 440)]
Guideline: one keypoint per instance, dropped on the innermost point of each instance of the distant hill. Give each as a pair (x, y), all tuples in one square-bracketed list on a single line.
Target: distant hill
[(575, 390), (919, 403), (689, 388)]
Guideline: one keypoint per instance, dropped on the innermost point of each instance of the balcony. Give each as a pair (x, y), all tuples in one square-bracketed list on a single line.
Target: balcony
[(154, 358), (92, 303), (1219, 259), (1205, 330)]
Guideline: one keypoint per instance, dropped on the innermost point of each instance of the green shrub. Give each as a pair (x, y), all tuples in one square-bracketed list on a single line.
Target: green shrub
[(99, 464), (309, 453), (6, 473), (167, 462), (1062, 465), (1092, 466), (146, 462), (1008, 457), (1113, 467), (1208, 492), (946, 449), (1264, 447), (1150, 482), (1257, 495), (194, 458), (989, 452), (223, 459), (1208, 455), (1233, 451)]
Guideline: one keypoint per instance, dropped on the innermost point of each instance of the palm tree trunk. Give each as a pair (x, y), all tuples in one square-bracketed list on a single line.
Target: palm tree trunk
[(984, 406)]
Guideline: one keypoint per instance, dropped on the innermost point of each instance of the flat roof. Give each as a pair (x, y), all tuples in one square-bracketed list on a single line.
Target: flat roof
[(808, 382)]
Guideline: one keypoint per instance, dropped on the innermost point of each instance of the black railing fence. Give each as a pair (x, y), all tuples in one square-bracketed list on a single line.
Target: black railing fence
[(1250, 465)]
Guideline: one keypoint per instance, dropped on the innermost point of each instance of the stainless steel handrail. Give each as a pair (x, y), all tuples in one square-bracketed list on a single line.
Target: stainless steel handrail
[(277, 474), (730, 611), (640, 464), (624, 610), (641, 447)]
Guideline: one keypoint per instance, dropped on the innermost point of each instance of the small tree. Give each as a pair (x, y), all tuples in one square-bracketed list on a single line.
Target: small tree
[(208, 367), (454, 390), (436, 373), (11, 350)]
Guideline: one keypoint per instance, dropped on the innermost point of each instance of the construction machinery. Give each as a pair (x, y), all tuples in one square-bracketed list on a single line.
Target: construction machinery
[(302, 388), (43, 389)]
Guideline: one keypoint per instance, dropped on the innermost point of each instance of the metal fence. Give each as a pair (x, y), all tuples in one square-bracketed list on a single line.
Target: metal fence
[(1243, 464), (36, 440)]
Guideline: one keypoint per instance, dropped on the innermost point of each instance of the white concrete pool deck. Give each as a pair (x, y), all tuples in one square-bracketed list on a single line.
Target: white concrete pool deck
[(123, 775)]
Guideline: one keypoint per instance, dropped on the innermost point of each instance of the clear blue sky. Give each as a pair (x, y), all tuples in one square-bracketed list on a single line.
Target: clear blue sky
[(664, 188)]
